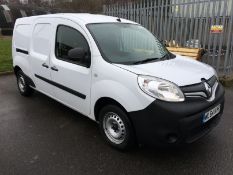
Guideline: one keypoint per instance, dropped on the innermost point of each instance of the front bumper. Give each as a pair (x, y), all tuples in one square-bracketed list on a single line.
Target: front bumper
[(175, 123)]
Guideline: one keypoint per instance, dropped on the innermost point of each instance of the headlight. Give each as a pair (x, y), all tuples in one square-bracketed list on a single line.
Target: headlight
[(160, 89)]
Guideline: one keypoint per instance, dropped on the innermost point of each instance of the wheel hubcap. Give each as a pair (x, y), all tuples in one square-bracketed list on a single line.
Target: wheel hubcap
[(114, 128), (21, 83)]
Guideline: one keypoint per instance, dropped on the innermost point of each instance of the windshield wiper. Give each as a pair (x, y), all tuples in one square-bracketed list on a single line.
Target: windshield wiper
[(166, 57), (145, 61)]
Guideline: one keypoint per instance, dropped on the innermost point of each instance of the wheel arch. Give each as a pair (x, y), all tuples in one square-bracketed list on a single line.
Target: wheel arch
[(103, 101), (28, 79), (16, 69)]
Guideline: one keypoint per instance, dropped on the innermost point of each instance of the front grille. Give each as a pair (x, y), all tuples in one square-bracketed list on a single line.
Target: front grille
[(199, 89)]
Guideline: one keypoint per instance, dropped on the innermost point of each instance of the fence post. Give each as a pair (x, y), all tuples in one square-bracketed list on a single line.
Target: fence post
[(222, 35), (229, 44)]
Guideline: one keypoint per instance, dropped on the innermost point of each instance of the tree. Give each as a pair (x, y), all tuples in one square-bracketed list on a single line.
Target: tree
[(81, 6), (35, 3)]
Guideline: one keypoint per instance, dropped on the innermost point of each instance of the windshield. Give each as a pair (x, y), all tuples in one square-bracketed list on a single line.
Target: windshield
[(126, 43)]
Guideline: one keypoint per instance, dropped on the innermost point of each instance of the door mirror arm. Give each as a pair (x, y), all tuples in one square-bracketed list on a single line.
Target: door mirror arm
[(87, 59)]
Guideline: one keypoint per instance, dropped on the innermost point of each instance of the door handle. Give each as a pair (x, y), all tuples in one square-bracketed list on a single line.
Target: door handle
[(54, 68), (45, 65)]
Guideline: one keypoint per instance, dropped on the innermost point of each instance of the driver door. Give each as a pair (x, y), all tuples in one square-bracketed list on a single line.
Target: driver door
[(72, 78)]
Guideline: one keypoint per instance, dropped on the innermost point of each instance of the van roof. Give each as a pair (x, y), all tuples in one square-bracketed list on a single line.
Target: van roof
[(85, 18)]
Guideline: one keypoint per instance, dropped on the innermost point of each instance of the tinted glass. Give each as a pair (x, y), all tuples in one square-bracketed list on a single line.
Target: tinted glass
[(67, 39), (126, 43)]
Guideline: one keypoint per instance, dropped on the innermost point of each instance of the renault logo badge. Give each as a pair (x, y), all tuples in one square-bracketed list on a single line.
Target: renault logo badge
[(208, 89)]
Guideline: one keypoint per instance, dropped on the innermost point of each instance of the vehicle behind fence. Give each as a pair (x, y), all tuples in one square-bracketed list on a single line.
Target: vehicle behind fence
[(187, 23)]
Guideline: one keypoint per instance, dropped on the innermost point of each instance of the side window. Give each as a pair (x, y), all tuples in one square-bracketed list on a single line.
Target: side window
[(68, 38)]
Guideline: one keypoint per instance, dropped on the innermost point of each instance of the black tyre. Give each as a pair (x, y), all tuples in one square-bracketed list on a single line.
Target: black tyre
[(23, 86), (116, 128)]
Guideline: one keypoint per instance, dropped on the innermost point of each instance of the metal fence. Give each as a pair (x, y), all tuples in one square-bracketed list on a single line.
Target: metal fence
[(206, 24)]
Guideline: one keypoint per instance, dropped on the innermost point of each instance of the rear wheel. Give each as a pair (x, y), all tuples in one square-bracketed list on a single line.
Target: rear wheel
[(23, 86), (116, 127)]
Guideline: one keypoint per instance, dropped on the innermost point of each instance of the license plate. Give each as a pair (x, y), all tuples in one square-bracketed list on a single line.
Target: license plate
[(210, 114)]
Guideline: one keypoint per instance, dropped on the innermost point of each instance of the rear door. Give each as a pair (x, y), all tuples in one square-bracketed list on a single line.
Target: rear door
[(72, 79), (40, 55)]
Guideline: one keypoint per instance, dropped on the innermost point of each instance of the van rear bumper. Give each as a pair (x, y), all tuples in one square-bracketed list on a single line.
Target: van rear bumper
[(176, 123)]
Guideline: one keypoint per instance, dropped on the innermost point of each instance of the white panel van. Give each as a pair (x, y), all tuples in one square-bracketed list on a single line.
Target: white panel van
[(117, 73)]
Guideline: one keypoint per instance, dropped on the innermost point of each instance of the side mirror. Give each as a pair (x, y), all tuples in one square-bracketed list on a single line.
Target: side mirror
[(76, 54), (80, 55)]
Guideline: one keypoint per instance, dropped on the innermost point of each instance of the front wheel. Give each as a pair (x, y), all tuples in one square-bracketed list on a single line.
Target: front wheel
[(116, 127)]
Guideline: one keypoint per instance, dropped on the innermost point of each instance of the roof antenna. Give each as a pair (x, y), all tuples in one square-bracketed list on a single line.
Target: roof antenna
[(118, 19)]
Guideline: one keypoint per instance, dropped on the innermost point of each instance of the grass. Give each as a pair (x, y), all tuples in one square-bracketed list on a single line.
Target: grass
[(5, 54)]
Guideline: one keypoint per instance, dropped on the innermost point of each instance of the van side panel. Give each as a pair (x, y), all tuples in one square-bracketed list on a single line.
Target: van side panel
[(20, 47), (21, 37), (41, 39), (40, 54)]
